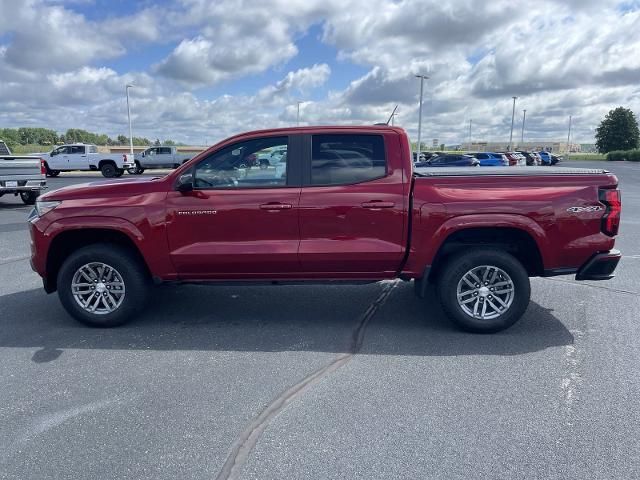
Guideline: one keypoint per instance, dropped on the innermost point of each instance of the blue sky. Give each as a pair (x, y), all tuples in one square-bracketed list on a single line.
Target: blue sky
[(207, 69)]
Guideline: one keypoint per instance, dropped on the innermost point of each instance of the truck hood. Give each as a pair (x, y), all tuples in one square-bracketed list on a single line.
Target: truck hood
[(109, 188)]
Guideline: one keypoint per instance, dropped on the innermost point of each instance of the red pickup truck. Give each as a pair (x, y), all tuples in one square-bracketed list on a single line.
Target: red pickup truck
[(341, 204)]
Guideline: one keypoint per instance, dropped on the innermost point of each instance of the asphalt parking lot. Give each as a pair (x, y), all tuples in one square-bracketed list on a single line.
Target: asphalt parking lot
[(328, 382)]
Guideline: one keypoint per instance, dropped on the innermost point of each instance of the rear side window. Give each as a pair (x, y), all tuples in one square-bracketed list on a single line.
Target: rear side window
[(344, 159)]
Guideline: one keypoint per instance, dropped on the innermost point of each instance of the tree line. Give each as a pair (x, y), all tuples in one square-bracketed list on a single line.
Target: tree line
[(45, 136)]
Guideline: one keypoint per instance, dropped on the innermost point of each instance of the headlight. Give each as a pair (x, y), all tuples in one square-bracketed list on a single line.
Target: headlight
[(45, 207)]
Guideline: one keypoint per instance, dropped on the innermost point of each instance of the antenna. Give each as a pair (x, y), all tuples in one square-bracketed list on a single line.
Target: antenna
[(392, 114)]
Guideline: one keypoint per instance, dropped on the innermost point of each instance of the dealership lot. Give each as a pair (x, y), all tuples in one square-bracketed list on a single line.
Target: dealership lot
[(261, 382)]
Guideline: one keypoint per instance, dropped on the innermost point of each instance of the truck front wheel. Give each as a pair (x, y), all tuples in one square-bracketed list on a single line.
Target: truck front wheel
[(103, 285), (484, 290)]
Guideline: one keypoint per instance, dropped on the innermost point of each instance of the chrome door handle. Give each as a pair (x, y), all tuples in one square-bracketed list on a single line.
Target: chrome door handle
[(276, 206), (378, 204)]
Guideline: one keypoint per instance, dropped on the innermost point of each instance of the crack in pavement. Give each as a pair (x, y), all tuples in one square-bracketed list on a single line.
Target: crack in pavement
[(582, 284), (6, 261), (243, 445)]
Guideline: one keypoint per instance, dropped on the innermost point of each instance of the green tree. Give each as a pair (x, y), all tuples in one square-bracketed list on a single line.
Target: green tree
[(618, 131)]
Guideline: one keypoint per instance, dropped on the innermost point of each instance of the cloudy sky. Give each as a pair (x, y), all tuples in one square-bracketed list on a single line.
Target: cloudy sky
[(205, 69)]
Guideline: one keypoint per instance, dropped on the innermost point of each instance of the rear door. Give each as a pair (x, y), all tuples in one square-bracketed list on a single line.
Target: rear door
[(353, 206), (77, 158)]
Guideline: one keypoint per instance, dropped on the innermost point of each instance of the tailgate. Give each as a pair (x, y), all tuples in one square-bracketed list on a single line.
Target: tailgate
[(20, 168)]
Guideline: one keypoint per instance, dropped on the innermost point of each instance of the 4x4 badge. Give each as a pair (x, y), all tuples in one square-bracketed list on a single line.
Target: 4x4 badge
[(593, 208)]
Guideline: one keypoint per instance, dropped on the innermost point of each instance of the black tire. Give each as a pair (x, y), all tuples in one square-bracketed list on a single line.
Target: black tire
[(51, 173), (451, 274), (119, 172), (137, 170), (29, 198), (134, 276), (108, 169)]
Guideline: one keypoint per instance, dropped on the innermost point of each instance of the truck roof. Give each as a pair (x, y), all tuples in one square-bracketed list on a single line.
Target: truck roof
[(318, 128)]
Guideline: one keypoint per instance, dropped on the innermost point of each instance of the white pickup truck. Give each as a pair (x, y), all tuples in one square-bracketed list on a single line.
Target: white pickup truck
[(158, 157), (21, 175), (82, 156)]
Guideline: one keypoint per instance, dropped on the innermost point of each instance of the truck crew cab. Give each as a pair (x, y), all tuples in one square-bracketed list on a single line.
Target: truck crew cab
[(349, 207)]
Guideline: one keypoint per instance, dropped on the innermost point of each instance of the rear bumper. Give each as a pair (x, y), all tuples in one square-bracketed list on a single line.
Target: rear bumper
[(600, 266)]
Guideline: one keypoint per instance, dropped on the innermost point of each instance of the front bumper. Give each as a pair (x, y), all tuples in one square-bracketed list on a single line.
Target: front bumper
[(600, 266)]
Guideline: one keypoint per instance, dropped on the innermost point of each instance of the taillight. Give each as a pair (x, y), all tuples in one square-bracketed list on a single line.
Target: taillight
[(611, 219), (43, 168)]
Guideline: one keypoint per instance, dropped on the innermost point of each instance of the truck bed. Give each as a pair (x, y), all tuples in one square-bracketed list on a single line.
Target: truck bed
[(504, 171)]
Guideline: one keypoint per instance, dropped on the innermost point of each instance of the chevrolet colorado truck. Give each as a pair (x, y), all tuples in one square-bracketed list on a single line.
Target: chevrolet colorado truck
[(350, 208)]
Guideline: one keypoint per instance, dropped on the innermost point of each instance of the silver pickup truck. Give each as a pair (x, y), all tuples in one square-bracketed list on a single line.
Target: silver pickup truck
[(21, 175), (158, 157)]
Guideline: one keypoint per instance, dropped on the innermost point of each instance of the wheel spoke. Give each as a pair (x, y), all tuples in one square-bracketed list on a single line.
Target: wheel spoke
[(500, 301), (493, 305), (468, 300), (484, 309), (500, 292)]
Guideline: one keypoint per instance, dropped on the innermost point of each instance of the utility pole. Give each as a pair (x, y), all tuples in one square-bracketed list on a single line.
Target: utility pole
[(470, 134), (513, 114), (298, 115), (524, 116), (569, 138), (129, 85), (422, 79)]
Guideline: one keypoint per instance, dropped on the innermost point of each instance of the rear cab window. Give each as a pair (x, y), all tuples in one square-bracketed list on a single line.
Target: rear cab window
[(343, 159)]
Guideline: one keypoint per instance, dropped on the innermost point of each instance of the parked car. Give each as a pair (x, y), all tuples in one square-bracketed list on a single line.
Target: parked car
[(546, 158), (515, 159), (555, 159), (22, 175), (81, 156), (158, 157), (532, 158), (490, 159), (350, 208), (449, 160)]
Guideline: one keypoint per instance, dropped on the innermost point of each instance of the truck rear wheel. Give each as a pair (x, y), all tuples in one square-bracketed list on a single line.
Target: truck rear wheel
[(103, 285), (108, 169), (484, 290), (29, 198)]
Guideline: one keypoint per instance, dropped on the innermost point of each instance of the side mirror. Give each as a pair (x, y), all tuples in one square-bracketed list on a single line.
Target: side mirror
[(185, 183)]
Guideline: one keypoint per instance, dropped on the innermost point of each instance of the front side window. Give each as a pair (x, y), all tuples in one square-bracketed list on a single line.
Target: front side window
[(247, 164), (343, 159)]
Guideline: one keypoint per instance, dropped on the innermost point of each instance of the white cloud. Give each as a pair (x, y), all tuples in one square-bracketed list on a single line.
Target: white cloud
[(561, 57)]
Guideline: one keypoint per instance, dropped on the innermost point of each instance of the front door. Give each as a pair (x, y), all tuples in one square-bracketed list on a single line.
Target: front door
[(237, 222), (353, 207), (59, 158)]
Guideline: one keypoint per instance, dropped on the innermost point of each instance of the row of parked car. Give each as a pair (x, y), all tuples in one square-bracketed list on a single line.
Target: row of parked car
[(485, 159)]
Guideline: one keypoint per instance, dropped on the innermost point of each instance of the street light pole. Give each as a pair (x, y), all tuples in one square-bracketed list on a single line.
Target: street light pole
[(569, 138), (129, 85), (298, 115), (513, 114), (524, 116), (422, 79), (470, 134)]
